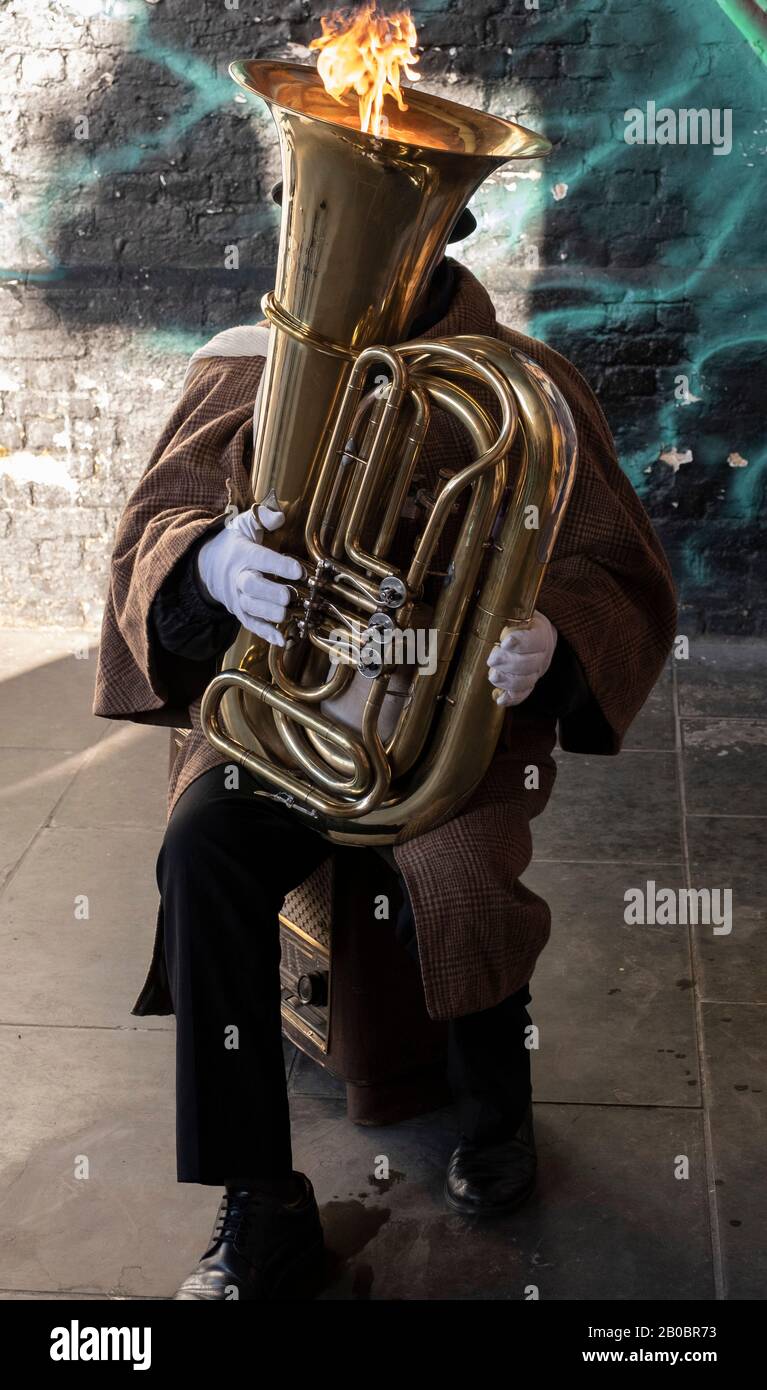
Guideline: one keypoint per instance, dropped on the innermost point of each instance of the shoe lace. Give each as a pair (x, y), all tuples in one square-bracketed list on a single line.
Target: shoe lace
[(236, 1217)]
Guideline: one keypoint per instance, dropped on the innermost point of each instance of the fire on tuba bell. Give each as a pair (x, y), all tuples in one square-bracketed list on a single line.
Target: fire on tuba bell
[(365, 220)]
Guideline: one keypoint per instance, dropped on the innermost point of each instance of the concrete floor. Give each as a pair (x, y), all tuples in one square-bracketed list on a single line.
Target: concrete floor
[(653, 1040)]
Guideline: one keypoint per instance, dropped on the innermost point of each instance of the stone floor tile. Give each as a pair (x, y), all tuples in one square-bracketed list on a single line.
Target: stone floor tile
[(610, 1219), (613, 1003), (46, 692), (729, 852), (62, 968), (32, 780), (307, 1078), (611, 808), (104, 1095), (725, 766), (123, 782), (735, 1059), (654, 726), (725, 677)]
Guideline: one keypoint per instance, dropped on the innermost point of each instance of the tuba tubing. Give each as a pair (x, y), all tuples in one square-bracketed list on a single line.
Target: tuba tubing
[(364, 222)]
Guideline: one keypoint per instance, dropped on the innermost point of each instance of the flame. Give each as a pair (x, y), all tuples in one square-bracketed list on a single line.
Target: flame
[(364, 52)]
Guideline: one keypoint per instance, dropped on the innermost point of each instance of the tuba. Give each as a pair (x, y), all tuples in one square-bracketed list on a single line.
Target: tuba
[(344, 411)]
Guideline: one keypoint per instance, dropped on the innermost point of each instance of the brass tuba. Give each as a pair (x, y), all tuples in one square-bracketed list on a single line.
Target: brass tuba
[(365, 220)]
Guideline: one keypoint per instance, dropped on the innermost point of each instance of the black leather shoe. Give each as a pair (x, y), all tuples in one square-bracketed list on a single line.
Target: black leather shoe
[(262, 1248), (490, 1179)]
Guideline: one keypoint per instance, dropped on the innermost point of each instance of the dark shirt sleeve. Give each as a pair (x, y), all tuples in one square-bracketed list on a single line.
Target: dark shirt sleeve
[(562, 690), (187, 622)]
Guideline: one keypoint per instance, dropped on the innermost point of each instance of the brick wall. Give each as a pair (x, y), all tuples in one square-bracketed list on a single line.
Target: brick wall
[(129, 164)]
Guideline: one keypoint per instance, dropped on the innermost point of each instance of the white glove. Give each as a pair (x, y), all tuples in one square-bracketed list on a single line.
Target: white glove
[(521, 657), (232, 565)]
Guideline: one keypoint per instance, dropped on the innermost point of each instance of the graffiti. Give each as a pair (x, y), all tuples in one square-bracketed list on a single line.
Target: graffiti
[(642, 262)]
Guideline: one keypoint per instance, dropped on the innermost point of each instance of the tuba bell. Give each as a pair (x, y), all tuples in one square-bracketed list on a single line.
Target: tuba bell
[(344, 411)]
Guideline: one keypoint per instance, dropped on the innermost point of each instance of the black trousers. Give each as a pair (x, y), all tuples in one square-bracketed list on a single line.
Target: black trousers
[(227, 861)]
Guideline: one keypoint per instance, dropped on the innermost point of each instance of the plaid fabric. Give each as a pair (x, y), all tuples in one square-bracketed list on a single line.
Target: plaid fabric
[(608, 590)]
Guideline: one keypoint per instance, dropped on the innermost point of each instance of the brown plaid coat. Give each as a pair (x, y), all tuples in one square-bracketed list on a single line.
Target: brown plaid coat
[(608, 590)]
